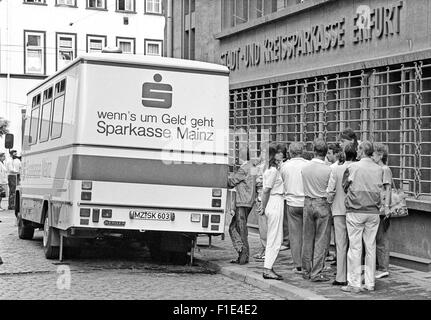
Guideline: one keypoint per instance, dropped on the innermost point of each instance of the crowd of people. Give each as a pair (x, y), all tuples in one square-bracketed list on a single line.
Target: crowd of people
[(343, 189)]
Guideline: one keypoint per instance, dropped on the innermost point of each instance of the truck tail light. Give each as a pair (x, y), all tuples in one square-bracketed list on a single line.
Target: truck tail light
[(217, 193), (86, 196), (195, 217), (107, 213), (216, 203), (87, 185), (205, 220)]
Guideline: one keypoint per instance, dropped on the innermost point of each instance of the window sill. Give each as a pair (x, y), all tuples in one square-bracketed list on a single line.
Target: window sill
[(35, 3), (66, 6), (97, 9), (271, 18), (154, 13), (419, 205), (126, 12)]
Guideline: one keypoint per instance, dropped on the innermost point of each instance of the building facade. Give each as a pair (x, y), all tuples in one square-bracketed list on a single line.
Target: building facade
[(307, 69), (39, 37)]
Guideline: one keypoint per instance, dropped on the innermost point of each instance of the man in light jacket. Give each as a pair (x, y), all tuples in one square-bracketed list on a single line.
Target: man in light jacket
[(363, 183)]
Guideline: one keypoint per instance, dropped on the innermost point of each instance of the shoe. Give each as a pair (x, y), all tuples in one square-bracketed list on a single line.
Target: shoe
[(284, 248), (270, 274), (243, 258), (336, 283), (235, 261), (381, 274), (369, 288), (320, 278), (297, 270), (260, 259), (349, 288), (1, 261)]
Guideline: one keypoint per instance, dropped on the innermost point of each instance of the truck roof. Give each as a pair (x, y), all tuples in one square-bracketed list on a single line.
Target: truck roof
[(134, 60)]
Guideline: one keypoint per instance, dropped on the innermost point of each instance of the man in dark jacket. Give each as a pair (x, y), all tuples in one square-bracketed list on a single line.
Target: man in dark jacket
[(244, 181)]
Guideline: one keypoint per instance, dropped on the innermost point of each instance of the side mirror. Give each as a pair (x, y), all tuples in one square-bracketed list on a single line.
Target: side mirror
[(8, 141)]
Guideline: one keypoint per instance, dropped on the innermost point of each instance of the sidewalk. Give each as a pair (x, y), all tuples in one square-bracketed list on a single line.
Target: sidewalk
[(402, 284)]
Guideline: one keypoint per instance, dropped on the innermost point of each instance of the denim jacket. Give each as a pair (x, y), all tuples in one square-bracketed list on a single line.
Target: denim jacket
[(244, 181)]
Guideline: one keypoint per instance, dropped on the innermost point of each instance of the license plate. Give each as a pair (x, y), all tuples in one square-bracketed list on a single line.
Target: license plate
[(151, 215)]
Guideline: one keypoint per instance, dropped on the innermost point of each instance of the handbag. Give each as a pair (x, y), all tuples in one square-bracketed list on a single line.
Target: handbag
[(398, 205)]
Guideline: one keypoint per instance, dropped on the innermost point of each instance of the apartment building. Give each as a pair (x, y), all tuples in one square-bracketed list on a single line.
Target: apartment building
[(39, 37)]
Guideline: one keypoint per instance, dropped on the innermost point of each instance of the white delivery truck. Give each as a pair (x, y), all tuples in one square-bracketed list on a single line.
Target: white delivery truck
[(123, 145)]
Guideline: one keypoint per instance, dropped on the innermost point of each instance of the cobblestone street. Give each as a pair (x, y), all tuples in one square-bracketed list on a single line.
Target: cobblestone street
[(106, 273)]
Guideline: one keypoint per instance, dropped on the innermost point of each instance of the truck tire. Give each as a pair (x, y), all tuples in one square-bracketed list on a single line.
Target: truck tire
[(25, 231), (51, 252), (179, 258)]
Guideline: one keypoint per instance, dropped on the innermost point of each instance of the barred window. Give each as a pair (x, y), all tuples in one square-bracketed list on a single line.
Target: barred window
[(391, 105)]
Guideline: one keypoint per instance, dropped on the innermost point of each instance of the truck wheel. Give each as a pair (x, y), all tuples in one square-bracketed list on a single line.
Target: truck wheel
[(25, 231), (51, 252), (179, 258)]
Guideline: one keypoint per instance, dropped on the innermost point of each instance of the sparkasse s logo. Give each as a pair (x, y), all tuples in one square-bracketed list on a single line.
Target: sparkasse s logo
[(157, 94)]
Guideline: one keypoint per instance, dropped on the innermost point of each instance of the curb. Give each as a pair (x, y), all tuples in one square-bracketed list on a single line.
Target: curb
[(279, 288)]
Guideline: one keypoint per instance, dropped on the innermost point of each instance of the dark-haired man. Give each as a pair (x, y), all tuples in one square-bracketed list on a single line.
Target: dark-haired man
[(336, 198), (316, 222)]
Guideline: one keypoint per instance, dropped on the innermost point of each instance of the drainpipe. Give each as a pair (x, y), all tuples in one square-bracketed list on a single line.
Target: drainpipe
[(169, 30), (7, 63)]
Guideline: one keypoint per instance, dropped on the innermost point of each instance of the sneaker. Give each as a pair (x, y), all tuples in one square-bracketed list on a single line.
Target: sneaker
[(297, 270), (243, 257), (381, 274), (320, 278), (369, 288), (349, 288)]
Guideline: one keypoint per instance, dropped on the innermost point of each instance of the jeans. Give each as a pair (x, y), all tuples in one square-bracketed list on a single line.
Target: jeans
[(12, 182), (274, 213), (361, 226), (296, 216), (341, 243), (316, 231), (382, 248), (238, 230), (286, 241)]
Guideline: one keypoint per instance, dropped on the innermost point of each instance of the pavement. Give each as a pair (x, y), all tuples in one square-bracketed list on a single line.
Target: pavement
[(402, 283)]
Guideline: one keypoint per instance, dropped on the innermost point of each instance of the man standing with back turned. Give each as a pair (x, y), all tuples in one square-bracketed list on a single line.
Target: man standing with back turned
[(363, 183), (317, 214)]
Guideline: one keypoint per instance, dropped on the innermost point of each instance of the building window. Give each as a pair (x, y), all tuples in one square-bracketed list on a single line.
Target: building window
[(388, 104), (34, 56), (153, 47), (58, 110), (45, 115), (96, 4), (95, 43), (153, 6), (234, 12), (35, 1), (127, 45), (68, 3), (189, 29), (66, 49), (126, 5), (34, 120)]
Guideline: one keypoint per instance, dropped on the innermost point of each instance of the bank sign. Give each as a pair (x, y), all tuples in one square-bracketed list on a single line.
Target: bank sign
[(366, 26)]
